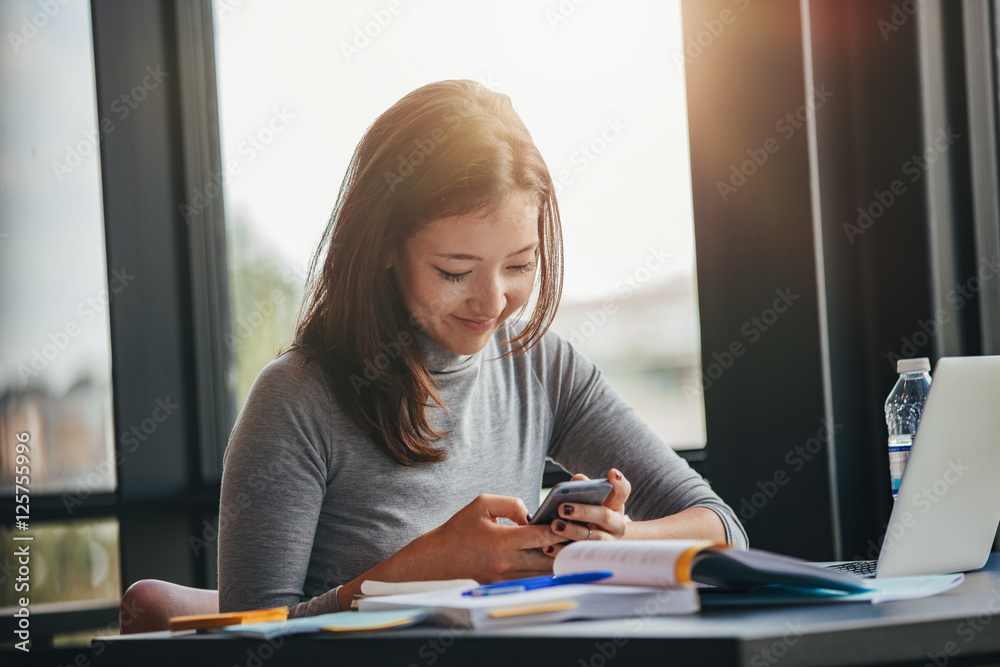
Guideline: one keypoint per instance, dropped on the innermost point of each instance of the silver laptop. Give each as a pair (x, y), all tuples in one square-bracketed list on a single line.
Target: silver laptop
[(948, 506)]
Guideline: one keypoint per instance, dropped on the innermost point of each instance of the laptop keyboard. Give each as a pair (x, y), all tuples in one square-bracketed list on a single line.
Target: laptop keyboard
[(860, 567)]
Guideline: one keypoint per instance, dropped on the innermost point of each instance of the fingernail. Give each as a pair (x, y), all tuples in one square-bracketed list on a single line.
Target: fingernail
[(560, 526), (567, 510), (618, 475), (527, 519), (549, 549)]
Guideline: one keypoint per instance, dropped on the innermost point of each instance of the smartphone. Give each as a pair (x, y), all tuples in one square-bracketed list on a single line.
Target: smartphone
[(585, 492)]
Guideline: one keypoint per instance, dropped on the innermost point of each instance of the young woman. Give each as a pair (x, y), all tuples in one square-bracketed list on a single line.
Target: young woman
[(403, 434)]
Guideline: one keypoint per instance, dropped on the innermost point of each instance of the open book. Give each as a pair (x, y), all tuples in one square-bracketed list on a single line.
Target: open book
[(729, 576), (677, 562)]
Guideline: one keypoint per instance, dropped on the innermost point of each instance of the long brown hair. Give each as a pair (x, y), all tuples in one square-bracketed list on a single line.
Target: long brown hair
[(448, 148)]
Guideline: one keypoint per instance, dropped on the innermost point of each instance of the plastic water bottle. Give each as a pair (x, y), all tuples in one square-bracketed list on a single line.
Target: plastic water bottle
[(903, 409)]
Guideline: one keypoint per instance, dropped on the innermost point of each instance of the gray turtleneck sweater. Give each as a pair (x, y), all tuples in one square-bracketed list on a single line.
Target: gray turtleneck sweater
[(309, 502)]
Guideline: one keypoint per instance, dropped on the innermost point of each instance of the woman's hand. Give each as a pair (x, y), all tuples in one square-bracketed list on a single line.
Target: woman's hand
[(603, 522), (472, 544)]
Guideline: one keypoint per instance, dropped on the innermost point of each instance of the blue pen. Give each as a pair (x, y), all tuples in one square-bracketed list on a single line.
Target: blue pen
[(531, 583)]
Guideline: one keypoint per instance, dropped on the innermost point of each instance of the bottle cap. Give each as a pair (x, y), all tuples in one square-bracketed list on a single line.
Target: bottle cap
[(913, 365)]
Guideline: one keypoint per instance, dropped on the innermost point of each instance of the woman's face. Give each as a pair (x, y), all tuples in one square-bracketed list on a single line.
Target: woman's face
[(462, 276)]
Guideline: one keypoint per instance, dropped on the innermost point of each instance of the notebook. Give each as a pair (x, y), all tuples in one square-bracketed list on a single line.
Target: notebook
[(208, 621)]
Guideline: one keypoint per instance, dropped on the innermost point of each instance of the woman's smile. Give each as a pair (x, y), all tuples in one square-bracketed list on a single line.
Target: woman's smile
[(481, 325)]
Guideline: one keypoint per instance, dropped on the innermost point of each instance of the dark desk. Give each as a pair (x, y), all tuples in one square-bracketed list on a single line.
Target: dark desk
[(959, 627)]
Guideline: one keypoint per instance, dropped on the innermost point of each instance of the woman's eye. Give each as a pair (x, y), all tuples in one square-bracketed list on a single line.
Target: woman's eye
[(459, 277), (454, 277)]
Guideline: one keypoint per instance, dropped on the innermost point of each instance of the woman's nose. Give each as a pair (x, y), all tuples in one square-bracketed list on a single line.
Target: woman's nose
[(489, 299)]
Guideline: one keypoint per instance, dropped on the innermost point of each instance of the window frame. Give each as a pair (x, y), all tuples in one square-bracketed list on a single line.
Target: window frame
[(895, 88), (167, 330)]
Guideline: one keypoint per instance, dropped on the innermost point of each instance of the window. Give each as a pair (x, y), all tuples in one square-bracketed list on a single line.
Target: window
[(55, 373), (602, 93), (70, 561)]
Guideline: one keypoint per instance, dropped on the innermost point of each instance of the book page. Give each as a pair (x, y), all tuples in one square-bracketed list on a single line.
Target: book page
[(371, 587), (634, 563)]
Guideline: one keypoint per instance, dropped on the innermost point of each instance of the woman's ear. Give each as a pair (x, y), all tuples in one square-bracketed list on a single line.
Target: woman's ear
[(391, 258)]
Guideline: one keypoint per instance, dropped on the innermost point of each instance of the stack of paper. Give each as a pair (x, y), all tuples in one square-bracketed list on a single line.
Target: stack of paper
[(543, 605), (370, 587)]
